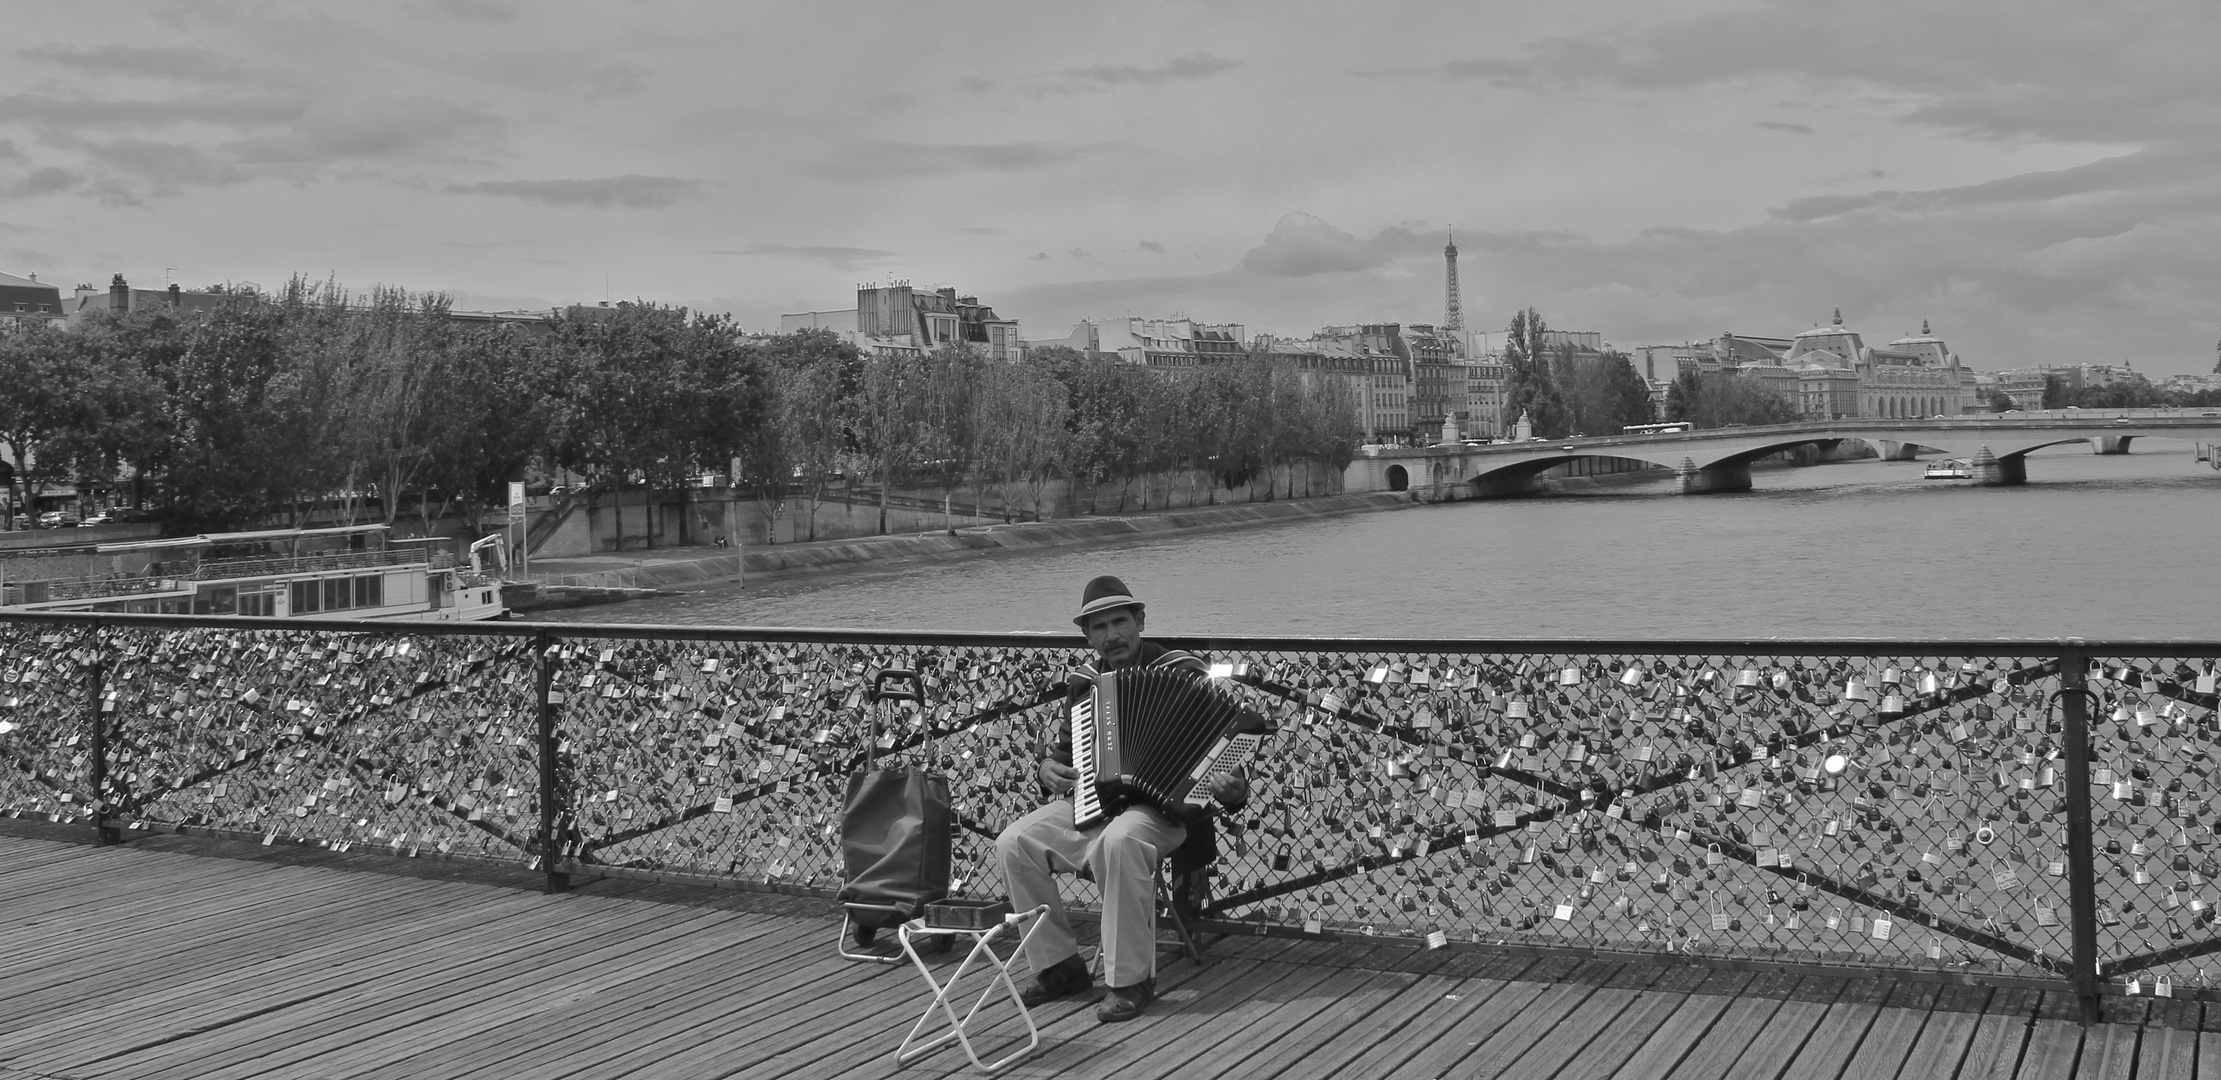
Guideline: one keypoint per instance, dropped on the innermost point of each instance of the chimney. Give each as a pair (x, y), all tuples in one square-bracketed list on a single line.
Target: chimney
[(119, 295), (174, 301), (34, 277)]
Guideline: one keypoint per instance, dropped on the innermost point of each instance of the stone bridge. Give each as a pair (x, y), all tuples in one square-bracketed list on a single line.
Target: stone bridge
[(1997, 444)]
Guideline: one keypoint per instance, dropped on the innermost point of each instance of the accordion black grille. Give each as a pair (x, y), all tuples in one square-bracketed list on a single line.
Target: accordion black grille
[(1168, 720)]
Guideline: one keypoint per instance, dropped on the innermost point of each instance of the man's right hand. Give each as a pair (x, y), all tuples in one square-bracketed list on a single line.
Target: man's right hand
[(1058, 777)]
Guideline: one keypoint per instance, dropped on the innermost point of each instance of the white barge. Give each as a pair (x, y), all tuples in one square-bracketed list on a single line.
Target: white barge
[(350, 572)]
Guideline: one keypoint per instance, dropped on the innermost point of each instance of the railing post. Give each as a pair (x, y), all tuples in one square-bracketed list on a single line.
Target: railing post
[(2082, 882), (550, 843), (97, 773)]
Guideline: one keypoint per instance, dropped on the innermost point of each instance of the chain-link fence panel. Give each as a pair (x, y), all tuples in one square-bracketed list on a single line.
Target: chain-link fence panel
[(1886, 810), (1849, 803), (412, 743), (731, 758), (46, 707), (2152, 736)]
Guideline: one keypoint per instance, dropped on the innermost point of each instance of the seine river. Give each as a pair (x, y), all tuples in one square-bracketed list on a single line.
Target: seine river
[(2095, 547)]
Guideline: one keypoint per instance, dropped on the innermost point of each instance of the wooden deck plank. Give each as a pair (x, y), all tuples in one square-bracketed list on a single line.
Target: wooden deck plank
[(192, 993), (241, 1032), (1608, 1006), (400, 997), (2209, 1054), (1486, 1043), (1428, 1012), (2167, 1053), (1232, 996), (1073, 1043), (2000, 1037), (1882, 1050), (2056, 1042), (823, 994), (1654, 1052), (480, 1034), (766, 987), (770, 955), (1943, 1041), (136, 963), (344, 959), (1731, 1033), (96, 959), (1835, 1040), (1783, 1037), (1352, 1011)]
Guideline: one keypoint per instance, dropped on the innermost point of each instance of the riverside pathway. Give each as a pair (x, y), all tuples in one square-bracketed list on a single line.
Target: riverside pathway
[(188, 957)]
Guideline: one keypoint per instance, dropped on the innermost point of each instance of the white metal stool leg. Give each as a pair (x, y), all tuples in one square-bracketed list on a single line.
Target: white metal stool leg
[(982, 954)]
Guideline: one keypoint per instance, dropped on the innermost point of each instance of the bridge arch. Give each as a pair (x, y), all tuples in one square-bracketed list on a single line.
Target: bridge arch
[(1398, 478)]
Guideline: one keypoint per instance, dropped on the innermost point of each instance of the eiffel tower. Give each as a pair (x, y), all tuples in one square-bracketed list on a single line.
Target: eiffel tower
[(1453, 317)]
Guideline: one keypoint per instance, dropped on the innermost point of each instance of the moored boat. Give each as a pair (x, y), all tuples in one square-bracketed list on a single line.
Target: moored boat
[(349, 572), (1950, 469)]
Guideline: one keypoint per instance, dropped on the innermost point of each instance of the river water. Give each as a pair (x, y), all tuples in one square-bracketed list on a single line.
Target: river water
[(2096, 547)]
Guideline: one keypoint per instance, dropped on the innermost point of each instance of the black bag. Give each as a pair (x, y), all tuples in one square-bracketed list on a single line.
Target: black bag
[(894, 845), (895, 829)]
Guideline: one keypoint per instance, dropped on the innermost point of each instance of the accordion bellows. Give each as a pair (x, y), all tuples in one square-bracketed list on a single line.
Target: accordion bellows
[(1157, 736)]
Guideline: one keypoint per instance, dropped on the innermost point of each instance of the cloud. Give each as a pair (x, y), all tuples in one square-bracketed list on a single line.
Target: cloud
[(478, 11), (1776, 125), (369, 127), (1038, 256), (1150, 246), (832, 257), (1103, 78), (165, 62), (2106, 77), (2157, 169), (1301, 245), (9, 151), (40, 182), (77, 112), (883, 159), (630, 191), (165, 168), (1178, 69), (1078, 253)]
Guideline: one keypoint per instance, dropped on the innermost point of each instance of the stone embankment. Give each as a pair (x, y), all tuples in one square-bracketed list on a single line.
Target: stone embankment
[(611, 577)]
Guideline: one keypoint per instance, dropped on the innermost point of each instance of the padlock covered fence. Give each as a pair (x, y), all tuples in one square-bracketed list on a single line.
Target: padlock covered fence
[(2013, 810)]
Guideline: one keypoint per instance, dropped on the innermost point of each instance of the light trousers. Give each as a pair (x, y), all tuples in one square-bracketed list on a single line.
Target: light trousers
[(1123, 853)]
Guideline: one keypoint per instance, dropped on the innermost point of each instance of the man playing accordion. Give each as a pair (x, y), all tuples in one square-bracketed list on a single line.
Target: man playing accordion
[(1122, 852)]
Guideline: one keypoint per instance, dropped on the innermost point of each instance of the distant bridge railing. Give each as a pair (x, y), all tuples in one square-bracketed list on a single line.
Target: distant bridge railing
[(2003, 811)]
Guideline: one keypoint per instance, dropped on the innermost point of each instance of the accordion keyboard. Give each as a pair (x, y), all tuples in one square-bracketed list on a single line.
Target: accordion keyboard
[(1087, 801)]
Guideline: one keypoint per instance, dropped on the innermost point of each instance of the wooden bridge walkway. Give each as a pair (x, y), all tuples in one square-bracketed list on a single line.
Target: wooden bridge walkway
[(171, 957)]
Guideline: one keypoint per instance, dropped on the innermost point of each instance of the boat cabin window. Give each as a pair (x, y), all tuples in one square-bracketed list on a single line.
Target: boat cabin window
[(337, 595), (222, 600), (370, 591), (305, 597), (260, 604)]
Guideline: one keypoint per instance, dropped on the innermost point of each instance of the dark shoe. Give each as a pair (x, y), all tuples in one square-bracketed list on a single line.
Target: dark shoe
[(1062, 979), (1126, 1002)]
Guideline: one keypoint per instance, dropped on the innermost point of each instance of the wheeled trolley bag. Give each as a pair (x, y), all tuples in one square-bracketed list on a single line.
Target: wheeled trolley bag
[(895, 826)]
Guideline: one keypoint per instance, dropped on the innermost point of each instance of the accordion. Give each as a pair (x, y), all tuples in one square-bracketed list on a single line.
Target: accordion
[(1156, 736)]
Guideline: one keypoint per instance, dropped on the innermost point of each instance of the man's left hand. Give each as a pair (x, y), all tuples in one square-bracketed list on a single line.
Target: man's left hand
[(1230, 790)]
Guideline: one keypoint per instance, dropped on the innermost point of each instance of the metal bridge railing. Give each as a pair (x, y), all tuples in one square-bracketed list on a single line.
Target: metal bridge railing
[(1996, 810)]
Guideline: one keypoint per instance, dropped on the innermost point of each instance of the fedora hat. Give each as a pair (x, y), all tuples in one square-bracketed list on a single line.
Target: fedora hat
[(1103, 594)]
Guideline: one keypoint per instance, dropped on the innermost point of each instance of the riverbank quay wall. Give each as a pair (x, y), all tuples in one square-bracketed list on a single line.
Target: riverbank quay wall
[(576, 525), (2010, 813)]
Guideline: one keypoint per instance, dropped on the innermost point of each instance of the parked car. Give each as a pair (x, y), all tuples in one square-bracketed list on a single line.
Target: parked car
[(97, 520), (57, 519), (2120, 419)]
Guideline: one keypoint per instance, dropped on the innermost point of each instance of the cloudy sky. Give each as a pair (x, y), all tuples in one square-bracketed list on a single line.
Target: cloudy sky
[(2035, 178)]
